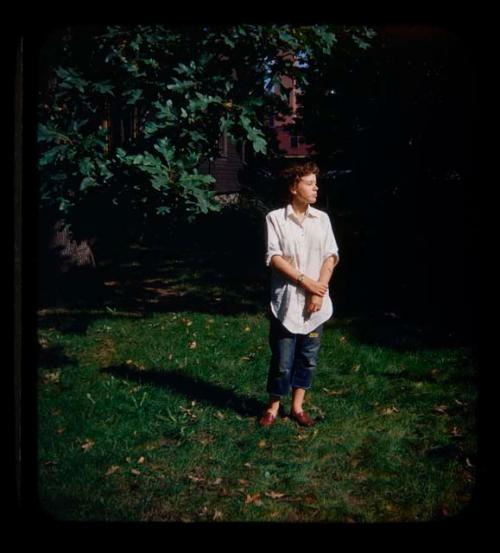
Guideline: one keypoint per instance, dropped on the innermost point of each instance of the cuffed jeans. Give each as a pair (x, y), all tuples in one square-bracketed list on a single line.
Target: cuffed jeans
[(293, 358)]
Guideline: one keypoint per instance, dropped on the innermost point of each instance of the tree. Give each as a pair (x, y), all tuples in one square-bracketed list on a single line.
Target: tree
[(185, 86)]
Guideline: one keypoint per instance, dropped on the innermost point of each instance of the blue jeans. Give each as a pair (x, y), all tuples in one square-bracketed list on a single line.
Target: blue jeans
[(293, 358)]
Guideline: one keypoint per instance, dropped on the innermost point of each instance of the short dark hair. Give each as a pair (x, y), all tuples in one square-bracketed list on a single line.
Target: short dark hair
[(292, 174), (295, 172)]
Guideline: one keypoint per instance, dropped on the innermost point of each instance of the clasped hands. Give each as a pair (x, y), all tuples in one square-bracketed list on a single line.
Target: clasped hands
[(315, 293)]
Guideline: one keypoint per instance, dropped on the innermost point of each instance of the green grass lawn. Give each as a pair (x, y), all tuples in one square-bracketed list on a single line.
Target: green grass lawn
[(155, 419)]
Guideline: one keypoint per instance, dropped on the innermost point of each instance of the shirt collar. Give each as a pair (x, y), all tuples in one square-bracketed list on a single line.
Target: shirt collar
[(310, 211)]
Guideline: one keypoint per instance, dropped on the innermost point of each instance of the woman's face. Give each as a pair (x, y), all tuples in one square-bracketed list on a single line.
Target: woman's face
[(306, 190)]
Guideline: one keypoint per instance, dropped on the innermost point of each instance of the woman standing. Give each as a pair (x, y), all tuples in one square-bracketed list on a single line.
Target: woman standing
[(302, 253)]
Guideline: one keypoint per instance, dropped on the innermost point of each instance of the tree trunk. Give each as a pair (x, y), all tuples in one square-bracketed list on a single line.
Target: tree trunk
[(68, 266)]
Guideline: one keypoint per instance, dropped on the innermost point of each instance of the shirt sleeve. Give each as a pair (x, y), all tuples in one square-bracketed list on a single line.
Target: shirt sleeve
[(331, 247), (273, 244)]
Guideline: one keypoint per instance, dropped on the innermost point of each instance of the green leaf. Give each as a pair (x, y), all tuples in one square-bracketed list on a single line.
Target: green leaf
[(259, 144), (183, 69), (162, 210), (51, 155), (228, 41), (150, 128), (87, 182), (134, 95), (165, 111), (181, 86), (121, 154), (159, 182), (103, 88), (86, 166)]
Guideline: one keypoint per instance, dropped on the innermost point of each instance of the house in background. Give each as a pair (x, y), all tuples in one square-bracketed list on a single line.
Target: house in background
[(225, 169), (293, 145), (231, 160)]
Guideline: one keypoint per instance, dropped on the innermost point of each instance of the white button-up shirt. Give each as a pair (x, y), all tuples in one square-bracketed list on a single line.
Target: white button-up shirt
[(306, 245)]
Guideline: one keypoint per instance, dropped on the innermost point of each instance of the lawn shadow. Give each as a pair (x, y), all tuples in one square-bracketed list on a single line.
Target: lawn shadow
[(148, 280), (77, 321), (388, 330), (191, 388), (53, 357)]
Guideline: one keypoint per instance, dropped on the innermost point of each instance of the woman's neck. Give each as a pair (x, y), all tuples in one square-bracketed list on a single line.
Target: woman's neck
[(299, 208)]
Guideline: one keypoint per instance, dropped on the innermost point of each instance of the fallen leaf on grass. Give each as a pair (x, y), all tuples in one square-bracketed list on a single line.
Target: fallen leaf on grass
[(141, 460), (87, 444), (247, 329), (219, 415), (319, 411), (61, 430), (255, 499), (196, 478), (275, 495), (192, 344), (334, 392), (112, 469), (262, 443), (455, 432), (135, 472), (43, 343), (51, 377), (188, 412), (217, 482), (390, 410), (440, 409), (243, 482), (217, 515)]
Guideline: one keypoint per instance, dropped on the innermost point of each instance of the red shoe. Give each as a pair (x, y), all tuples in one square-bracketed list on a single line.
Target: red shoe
[(302, 418), (267, 419)]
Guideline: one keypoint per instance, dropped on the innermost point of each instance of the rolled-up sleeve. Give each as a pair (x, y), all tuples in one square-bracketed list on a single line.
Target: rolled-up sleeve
[(273, 244), (331, 247)]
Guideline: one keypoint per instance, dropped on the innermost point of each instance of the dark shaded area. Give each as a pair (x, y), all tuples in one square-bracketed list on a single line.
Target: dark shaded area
[(405, 334), (214, 266), (192, 389), (396, 134), (53, 357)]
